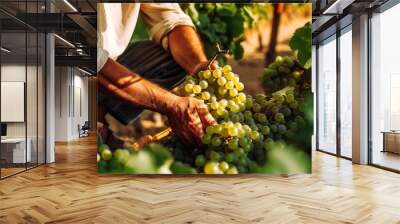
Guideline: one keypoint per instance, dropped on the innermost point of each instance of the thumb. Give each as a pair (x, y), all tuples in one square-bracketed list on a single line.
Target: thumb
[(205, 117)]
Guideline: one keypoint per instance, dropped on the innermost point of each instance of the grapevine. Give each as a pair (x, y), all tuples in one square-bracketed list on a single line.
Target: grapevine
[(253, 134), (248, 126)]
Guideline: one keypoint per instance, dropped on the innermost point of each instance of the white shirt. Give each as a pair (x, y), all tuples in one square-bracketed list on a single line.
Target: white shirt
[(116, 23)]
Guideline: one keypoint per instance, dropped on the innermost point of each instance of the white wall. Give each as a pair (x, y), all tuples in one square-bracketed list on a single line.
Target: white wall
[(11, 73), (80, 112), (71, 94), (61, 104), (16, 73)]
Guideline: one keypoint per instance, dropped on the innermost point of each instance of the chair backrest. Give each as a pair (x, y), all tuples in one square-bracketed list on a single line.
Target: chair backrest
[(86, 125)]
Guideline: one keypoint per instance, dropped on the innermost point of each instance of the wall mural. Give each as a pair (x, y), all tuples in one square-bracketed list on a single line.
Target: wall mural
[(204, 88)]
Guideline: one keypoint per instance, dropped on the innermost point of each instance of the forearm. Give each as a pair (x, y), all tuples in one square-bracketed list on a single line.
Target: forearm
[(186, 48), (130, 87)]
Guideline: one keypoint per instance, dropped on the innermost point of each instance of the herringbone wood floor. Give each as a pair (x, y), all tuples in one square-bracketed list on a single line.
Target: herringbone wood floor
[(70, 191)]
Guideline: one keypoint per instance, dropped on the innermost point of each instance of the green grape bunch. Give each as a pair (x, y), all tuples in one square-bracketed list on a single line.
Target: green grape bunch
[(247, 125), (287, 84), (230, 146), (152, 159), (220, 89), (283, 72)]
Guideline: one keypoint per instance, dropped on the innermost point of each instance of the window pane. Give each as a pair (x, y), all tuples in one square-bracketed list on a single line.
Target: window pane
[(346, 94), (22, 88), (327, 97), (385, 80), (313, 83), (31, 97), (14, 153)]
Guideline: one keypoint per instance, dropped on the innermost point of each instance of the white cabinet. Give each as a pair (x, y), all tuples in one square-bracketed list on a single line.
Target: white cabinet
[(17, 147)]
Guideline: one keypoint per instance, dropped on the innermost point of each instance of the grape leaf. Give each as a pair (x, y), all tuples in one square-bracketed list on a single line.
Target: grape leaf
[(219, 27), (192, 12), (300, 43), (221, 23), (203, 21), (226, 9), (236, 25), (237, 49), (211, 35)]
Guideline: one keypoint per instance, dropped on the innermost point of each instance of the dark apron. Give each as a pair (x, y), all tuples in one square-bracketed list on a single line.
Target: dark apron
[(152, 63)]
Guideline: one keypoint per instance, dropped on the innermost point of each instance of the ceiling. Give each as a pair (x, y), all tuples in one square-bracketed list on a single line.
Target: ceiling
[(15, 42), (74, 22), (39, 6), (330, 15)]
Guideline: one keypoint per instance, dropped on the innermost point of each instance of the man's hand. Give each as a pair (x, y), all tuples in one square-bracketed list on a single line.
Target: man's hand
[(188, 118), (203, 66)]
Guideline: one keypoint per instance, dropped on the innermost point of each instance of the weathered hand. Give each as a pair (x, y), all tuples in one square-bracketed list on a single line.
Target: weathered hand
[(203, 66), (188, 118)]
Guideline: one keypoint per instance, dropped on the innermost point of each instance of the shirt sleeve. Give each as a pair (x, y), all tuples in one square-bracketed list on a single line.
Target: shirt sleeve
[(102, 56), (161, 18)]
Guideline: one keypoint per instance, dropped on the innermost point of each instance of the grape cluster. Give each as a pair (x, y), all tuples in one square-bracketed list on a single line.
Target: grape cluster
[(219, 88), (247, 126), (287, 84), (242, 131), (106, 159), (152, 159), (284, 72)]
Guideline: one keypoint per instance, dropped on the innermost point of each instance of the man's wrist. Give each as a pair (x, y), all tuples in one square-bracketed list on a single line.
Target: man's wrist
[(167, 103)]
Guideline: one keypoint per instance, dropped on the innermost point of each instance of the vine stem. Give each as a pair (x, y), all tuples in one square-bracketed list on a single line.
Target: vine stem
[(217, 53)]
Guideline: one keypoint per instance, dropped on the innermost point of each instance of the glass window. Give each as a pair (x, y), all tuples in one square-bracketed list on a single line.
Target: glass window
[(14, 153), (313, 83), (327, 96), (346, 93), (385, 89), (31, 97), (22, 90)]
